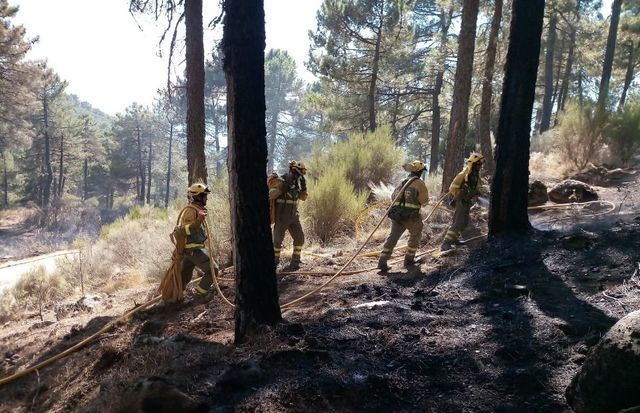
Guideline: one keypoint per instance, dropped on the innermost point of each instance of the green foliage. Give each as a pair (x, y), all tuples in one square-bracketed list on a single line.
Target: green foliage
[(581, 133), (333, 205), (623, 133), (363, 158)]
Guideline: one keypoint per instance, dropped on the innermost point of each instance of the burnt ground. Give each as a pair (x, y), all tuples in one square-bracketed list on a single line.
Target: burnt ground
[(492, 328)]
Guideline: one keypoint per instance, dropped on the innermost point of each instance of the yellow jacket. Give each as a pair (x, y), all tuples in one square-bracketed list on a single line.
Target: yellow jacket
[(416, 195), (461, 183), (192, 227)]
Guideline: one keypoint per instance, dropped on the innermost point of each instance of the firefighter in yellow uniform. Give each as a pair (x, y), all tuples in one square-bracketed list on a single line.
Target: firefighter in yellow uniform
[(285, 192), (405, 215), (192, 217), (463, 188)]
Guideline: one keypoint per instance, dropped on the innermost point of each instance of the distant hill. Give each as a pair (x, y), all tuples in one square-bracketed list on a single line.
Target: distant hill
[(80, 107)]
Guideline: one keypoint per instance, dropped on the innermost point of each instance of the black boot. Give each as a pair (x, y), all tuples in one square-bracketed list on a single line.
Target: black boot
[(382, 265), (447, 245), (294, 265)]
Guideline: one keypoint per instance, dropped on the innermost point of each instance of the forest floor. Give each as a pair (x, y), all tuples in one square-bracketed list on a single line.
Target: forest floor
[(489, 328)]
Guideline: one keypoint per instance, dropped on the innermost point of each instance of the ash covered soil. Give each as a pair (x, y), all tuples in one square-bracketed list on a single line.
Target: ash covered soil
[(490, 328)]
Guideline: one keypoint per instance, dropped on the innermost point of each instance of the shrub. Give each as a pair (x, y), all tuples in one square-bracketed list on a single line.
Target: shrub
[(623, 133), (581, 133), (38, 289), (363, 158), (333, 205)]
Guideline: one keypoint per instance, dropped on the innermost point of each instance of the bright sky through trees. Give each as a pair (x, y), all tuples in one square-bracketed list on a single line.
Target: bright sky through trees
[(98, 48)]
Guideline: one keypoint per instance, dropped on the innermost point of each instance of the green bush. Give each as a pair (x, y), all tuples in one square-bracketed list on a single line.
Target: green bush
[(581, 133), (363, 158), (332, 205), (623, 133)]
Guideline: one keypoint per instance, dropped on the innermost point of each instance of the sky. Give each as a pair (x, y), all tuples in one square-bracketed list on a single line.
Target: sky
[(97, 46)]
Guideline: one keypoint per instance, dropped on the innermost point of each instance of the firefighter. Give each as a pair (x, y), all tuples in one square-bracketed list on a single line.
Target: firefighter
[(463, 188), (285, 192), (405, 215), (191, 223)]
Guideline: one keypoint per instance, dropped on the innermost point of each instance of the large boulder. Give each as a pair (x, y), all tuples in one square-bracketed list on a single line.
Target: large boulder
[(601, 176), (610, 376), (537, 193), (571, 190)]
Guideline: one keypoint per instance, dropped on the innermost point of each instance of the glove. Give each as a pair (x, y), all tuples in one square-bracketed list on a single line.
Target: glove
[(303, 184), (202, 215)]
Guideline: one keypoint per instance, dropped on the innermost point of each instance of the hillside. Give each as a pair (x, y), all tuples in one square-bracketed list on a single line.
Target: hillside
[(474, 331)]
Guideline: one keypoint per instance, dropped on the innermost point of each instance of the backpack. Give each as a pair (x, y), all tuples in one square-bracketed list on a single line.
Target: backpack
[(399, 212)]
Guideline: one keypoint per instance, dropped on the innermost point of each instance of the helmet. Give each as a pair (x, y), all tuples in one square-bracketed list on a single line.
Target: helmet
[(298, 166), (197, 189), (415, 166), (474, 158)]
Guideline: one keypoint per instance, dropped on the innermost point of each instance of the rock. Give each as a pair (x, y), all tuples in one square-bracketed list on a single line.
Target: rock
[(570, 190), (601, 176), (608, 380), (537, 193)]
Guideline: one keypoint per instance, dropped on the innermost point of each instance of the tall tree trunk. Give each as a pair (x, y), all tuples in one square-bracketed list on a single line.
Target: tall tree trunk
[(271, 149), (140, 180), (168, 187), (461, 91), (48, 178), (5, 182), (196, 160), (509, 189), (373, 83), (484, 124), (564, 88), (85, 173), (216, 139), (628, 77), (580, 87), (149, 171), (547, 103), (243, 46), (607, 65), (445, 23), (61, 168)]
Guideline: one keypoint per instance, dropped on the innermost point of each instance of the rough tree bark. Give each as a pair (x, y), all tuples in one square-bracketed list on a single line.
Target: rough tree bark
[(509, 189), (461, 91), (484, 123), (547, 102), (196, 161), (168, 187), (243, 46), (628, 77), (445, 23), (607, 65)]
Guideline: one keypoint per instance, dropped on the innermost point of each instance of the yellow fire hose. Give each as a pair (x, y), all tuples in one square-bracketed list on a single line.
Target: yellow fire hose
[(110, 325)]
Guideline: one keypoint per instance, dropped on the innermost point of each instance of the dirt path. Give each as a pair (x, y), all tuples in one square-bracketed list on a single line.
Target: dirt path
[(11, 271)]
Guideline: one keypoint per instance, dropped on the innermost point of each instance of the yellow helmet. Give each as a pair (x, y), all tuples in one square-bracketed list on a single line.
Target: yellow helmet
[(415, 166), (474, 158), (197, 189), (298, 166)]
